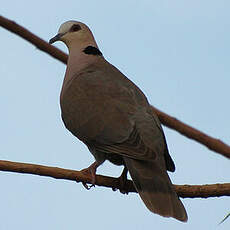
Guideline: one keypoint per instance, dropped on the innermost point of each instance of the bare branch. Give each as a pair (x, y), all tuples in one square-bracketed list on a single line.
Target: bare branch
[(213, 144), (171, 122), (189, 191), (32, 38)]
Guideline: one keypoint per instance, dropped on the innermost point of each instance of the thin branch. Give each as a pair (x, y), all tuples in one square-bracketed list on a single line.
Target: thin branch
[(212, 143), (184, 191), (32, 38)]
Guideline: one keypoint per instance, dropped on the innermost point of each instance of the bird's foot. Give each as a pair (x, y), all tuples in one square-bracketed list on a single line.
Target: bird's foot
[(91, 170), (122, 181)]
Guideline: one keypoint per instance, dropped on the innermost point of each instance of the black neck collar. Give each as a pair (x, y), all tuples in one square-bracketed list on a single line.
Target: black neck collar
[(91, 50)]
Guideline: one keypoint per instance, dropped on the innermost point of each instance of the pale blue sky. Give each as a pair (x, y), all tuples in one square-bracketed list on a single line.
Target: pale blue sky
[(177, 52)]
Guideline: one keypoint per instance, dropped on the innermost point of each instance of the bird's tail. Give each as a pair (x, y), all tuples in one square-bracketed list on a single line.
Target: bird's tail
[(155, 189)]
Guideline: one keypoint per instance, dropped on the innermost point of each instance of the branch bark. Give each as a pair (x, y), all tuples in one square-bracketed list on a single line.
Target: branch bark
[(33, 39), (184, 191), (212, 143)]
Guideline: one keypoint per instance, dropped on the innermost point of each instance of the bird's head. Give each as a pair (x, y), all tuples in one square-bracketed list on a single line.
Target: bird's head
[(74, 33)]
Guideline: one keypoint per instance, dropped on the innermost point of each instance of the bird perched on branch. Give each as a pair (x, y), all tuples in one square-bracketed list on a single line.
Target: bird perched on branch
[(112, 116)]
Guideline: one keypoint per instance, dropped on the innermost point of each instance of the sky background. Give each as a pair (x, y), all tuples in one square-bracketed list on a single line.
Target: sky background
[(177, 52)]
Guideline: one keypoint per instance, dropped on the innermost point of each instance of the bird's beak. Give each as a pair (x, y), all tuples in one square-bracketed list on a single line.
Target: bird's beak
[(56, 38)]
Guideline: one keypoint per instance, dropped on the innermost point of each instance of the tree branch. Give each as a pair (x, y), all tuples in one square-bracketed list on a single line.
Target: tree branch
[(212, 143), (184, 191), (33, 39)]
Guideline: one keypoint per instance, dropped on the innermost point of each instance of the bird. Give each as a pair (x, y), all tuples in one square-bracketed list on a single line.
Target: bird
[(113, 118)]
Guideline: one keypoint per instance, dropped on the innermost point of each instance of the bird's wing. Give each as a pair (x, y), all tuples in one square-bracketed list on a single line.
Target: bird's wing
[(127, 110), (168, 160), (112, 114)]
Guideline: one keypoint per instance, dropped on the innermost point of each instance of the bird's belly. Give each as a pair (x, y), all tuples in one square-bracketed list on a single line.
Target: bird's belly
[(80, 117), (90, 119), (115, 158), (94, 113), (87, 121)]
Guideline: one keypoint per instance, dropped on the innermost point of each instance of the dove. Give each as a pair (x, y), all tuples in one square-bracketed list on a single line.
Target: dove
[(113, 118)]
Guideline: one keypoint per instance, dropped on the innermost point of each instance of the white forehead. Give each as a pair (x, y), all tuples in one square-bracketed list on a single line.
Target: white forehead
[(67, 25)]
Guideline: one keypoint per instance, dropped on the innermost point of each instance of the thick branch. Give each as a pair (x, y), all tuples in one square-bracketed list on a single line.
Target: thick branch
[(191, 191), (171, 122)]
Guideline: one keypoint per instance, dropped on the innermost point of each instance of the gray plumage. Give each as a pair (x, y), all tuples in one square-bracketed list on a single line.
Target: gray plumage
[(111, 115)]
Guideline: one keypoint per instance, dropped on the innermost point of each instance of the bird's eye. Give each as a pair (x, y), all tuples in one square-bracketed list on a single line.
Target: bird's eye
[(75, 28)]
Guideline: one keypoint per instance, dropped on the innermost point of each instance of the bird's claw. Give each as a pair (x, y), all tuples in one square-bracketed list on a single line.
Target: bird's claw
[(91, 171), (88, 187), (122, 181)]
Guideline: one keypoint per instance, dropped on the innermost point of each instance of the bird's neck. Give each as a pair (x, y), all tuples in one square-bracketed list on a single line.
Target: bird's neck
[(77, 61)]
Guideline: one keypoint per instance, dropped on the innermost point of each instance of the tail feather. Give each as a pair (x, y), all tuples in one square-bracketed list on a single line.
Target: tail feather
[(155, 189)]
